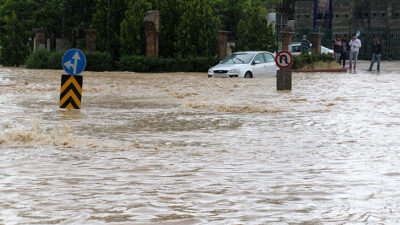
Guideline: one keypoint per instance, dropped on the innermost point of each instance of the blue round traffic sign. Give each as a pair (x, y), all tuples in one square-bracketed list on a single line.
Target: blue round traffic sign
[(74, 61)]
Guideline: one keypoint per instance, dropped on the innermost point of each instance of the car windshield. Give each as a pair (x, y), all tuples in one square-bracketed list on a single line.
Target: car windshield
[(238, 58)]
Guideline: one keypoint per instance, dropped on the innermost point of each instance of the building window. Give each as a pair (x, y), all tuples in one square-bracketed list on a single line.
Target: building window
[(307, 16), (337, 15), (298, 16), (366, 14), (346, 16), (374, 14), (383, 14)]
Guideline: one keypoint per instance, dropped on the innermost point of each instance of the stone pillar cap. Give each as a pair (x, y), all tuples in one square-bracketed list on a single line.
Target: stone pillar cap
[(90, 30), (39, 29), (152, 16)]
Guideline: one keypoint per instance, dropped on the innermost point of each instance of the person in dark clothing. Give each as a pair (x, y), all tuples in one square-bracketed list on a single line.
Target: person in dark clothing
[(337, 48), (305, 44), (345, 49), (376, 55)]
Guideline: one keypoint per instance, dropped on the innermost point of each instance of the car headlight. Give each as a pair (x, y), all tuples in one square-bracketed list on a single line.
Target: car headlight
[(210, 70), (234, 71)]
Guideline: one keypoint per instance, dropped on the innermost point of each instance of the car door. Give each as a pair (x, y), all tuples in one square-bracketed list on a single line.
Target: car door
[(270, 65), (258, 65)]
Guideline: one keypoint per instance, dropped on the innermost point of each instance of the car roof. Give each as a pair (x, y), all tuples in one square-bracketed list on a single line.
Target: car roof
[(255, 52)]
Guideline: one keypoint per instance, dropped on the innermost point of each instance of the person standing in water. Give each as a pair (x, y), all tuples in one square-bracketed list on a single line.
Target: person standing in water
[(345, 49), (337, 48), (354, 45), (305, 44), (376, 55)]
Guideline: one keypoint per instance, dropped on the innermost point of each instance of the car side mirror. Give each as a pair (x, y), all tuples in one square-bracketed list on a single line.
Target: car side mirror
[(256, 62)]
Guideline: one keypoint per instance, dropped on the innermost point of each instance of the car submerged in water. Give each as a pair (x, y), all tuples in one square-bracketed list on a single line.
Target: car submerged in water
[(248, 64)]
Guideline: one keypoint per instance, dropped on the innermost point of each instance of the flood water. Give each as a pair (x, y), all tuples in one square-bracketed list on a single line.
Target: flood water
[(186, 149)]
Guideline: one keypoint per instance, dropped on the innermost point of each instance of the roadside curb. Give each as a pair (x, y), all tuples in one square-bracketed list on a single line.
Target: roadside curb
[(341, 70)]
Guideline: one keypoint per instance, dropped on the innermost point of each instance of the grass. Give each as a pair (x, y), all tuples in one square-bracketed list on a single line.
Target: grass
[(321, 65)]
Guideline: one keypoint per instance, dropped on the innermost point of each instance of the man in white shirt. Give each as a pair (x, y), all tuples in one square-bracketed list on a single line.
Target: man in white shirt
[(354, 45)]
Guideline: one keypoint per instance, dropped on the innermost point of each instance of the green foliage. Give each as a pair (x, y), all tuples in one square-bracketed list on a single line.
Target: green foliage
[(232, 11), (197, 31), (60, 17), (43, 59), (55, 60), (98, 61), (188, 27), (14, 40), (253, 32), (38, 59), (146, 64), (133, 38), (300, 61), (107, 20), (170, 15)]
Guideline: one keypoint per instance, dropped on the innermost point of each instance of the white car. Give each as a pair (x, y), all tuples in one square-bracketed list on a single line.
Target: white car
[(245, 64), (295, 49)]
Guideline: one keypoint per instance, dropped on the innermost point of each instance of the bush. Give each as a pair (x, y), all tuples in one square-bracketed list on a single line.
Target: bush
[(38, 59), (43, 59), (55, 60), (304, 59), (98, 61), (146, 64)]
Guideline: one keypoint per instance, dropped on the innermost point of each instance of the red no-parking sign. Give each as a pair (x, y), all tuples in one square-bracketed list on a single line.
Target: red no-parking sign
[(284, 59)]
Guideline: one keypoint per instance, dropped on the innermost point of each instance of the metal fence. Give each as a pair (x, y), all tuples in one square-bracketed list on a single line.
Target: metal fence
[(390, 39)]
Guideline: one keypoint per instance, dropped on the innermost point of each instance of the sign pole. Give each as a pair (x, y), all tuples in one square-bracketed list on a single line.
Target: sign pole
[(284, 61), (284, 80)]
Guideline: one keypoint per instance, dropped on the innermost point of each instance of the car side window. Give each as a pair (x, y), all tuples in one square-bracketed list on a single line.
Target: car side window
[(295, 48), (269, 57), (259, 58)]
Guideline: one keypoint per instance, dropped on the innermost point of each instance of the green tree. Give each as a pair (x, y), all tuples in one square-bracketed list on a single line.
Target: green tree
[(61, 17), (170, 15), (132, 37), (15, 26), (14, 43), (253, 32), (107, 19), (232, 11), (197, 31)]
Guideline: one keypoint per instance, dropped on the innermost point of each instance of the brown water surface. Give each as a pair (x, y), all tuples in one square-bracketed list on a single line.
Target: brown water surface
[(185, 149)]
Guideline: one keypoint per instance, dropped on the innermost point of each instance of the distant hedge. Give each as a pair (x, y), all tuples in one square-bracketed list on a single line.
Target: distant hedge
[(146, 64), (305, 59), (43, 59), (102, 61)]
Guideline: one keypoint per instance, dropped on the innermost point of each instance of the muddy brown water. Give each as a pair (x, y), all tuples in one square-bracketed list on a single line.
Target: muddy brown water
[(185, 149)]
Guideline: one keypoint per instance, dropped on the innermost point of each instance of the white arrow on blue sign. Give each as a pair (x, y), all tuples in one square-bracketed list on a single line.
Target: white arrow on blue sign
[(74, 62)]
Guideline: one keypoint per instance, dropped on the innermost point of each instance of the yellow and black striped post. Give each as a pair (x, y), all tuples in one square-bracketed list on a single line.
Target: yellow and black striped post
[(71, 92)]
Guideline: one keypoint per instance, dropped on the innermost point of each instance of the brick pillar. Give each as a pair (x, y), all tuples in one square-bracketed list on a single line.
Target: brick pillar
[(223, 44), (90, 36), (40, 38), (287, 39), (316, 39), (152, 30)]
